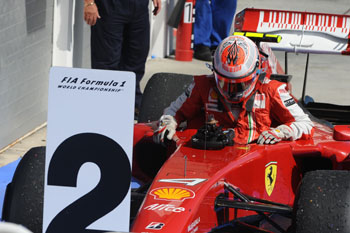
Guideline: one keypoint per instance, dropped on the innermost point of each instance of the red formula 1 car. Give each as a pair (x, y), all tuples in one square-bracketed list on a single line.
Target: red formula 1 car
[(204, 183)]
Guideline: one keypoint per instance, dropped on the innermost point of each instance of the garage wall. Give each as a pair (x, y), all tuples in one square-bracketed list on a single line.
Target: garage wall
[(38, 34), (81, 48), (71, 35), (25, 59)]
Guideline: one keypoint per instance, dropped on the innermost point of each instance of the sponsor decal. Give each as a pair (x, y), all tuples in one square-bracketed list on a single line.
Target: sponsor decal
[(259, 101), (212, 104), (85, 84), (270, 177), (173, 194), (231, 69), (213, 96), (193, 227), (232, 54), (214, 107), (242, 147), (187, 182), (155, 226), (165, 207), (283, 91), (289, 102)]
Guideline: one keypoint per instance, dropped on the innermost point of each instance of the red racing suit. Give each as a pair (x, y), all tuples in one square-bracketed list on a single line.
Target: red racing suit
[(269, 105)]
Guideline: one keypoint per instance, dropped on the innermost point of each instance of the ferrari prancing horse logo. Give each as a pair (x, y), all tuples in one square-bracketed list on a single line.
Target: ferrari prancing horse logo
[(270, 176)]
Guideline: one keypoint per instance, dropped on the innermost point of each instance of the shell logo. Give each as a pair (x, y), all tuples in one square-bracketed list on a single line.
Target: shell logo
[(173, 194)]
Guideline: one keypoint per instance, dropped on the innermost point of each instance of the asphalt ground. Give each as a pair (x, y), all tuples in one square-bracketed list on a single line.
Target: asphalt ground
[(328, 75)]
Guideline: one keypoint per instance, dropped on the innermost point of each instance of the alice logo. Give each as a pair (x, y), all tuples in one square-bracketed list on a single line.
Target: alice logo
[(111, 83)]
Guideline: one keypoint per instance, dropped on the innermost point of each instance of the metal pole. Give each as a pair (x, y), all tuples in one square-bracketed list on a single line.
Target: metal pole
[(286, 62), (305, 78)]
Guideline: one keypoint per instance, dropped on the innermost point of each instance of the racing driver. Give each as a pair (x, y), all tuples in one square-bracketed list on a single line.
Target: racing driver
[(239, 96)]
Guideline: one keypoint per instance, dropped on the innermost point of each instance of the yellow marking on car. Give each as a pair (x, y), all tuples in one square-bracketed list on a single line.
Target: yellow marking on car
[(270, 177), (175, 194)]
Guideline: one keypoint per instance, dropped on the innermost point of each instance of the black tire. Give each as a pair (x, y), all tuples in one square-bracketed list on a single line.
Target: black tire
[(160, 91), (23, 203), (323, 205)]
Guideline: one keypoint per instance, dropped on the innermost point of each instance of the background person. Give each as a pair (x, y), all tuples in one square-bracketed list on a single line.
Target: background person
[(120, 36), (212, 24)]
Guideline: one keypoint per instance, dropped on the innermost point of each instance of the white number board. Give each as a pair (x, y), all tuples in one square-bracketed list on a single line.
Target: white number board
[(188, 12), (89, 149)]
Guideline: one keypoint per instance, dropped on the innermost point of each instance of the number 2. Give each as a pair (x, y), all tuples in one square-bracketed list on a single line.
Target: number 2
[(111, 190)]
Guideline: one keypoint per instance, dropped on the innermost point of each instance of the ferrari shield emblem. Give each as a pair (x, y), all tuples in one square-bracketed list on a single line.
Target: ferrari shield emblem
[(270, 177)]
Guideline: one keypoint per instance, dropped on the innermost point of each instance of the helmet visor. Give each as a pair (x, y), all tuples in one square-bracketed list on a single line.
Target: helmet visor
[(233, 91)]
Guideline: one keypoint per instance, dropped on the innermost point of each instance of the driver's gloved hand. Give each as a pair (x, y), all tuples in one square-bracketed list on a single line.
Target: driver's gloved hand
[(166, 129), (274, 135)]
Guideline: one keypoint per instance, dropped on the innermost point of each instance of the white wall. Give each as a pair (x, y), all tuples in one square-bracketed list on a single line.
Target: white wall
[(63, 33), (25, 59), (161, 35), (71, 35)]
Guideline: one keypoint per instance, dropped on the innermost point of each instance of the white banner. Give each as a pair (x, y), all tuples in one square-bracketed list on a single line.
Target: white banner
[(89, 149)]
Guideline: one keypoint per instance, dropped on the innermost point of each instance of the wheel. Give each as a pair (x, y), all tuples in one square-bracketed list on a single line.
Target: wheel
[(323, 204), (23, 202), (7, 227), (160, 91)]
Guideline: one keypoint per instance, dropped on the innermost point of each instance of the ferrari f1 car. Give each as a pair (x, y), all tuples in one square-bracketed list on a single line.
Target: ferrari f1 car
[(204, 183)]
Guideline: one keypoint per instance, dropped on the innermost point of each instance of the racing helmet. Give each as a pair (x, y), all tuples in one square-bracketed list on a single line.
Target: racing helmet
[(236, 67)]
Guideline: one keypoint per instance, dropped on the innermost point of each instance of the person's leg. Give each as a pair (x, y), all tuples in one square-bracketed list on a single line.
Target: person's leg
[(107, 37), (136, 44), (202, 30), (203, 23), (223, 12)]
